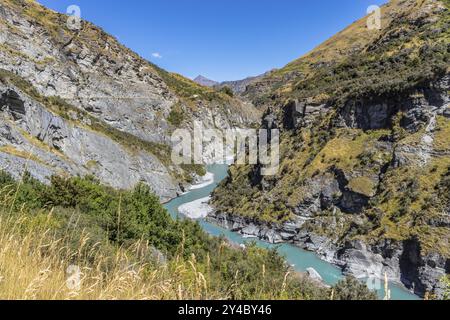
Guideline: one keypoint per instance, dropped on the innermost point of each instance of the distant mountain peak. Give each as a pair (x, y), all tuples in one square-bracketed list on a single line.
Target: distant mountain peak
[(205, 81), (239, 86)]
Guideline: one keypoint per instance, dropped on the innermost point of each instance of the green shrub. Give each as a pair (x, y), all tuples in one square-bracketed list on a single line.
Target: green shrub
[(446, 282), (352, 289), (227, 90), (176, 117)]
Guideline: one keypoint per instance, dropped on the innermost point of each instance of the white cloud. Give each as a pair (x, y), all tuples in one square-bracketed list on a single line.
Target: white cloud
[(156, 55)]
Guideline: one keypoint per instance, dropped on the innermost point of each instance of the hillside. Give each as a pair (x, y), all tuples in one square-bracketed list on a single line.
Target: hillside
[(77, 102), (406, 27), (365, 154)]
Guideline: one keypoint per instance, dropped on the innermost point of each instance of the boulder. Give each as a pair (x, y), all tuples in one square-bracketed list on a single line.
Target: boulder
[(314, 275)]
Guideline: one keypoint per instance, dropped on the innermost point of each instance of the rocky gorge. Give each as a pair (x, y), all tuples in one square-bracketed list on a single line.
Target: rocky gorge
[(364, 179), (365, 159)]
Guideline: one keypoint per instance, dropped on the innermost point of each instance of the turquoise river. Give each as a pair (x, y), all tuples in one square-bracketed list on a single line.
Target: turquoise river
[(295, 256)]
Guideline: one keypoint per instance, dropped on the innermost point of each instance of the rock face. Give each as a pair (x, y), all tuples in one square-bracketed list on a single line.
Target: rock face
[(57, 147), (333, 198), (113, 114), (95, 74), (417, 109), (365, 155)]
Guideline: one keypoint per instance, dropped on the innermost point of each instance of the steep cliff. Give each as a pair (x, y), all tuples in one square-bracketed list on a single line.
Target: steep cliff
[(78, 102), (365, 153)]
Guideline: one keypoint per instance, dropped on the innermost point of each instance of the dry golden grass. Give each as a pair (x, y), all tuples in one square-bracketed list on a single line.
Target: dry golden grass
[(355, 37), (44, 257), (35, 265), (9, 149)]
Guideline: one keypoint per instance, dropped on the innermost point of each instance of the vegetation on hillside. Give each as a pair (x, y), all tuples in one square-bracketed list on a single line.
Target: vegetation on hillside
[(446, 281), (127, 247), (358, 67), (410, 50), (352, 289), (407, 202)]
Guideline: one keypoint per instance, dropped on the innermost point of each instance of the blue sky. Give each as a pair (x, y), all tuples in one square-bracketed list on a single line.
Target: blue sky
[(220, 39)]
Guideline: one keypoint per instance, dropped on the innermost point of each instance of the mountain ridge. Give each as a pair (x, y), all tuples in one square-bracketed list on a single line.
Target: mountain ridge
[(237, 86), (205, 81), (240, 86)]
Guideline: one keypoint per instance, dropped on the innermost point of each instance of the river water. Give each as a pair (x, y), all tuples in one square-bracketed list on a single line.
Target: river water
[(298, 258)]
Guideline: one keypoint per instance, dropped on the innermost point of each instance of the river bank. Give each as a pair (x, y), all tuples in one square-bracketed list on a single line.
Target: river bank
[(298, 258), (198, 209), (354, 258)]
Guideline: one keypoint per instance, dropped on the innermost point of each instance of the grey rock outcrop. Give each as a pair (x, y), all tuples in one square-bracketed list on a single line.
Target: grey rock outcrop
[(401, 262), (92, 72), (55, 146), (313, 274), (378, 113)]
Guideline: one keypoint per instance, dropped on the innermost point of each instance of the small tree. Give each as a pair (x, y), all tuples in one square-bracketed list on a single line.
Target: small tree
[(446, 282), (351, 289), (228, 91)]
